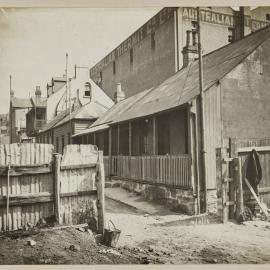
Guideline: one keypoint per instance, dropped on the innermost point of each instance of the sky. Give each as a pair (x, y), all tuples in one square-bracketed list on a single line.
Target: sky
[(34, 42)]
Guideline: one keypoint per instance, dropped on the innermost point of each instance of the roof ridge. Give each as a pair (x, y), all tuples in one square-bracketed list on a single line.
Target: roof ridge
[(237, 41)]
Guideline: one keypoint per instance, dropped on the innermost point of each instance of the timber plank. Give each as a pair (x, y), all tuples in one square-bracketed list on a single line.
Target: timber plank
[(77, 166)]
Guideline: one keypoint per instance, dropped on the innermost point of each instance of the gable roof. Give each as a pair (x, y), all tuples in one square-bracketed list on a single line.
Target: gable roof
[(91, 110), (21, 103), (54, 121), (39, 102), (183, 86)]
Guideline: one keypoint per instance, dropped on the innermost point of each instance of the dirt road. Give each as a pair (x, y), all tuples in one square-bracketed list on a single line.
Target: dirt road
[(158, 238), (145, 238)]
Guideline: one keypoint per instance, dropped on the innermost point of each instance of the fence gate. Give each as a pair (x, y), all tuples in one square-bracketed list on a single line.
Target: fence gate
[(229, 185)]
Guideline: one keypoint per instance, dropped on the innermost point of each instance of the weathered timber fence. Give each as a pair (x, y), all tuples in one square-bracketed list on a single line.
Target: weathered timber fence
[(162, 170), (42, 185), (232, 191), (264, 156)]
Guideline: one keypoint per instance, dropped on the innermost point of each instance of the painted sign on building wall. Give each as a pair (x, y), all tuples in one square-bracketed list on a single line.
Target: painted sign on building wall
[(149, 27), (227, 20)]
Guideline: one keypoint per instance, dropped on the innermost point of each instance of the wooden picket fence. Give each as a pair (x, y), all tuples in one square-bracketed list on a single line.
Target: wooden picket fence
[(162, 170), (36, 183)]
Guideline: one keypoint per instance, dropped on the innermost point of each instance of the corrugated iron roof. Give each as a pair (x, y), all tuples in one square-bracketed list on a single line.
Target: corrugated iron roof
[(21, 103), (91, 110), (183, 86), (54, 121), (92, 129)]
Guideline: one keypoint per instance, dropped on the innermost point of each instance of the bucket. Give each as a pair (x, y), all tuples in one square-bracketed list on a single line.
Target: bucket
[(111, 236)]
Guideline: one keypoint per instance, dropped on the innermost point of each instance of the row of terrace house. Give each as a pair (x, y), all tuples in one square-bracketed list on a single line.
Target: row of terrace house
[(151, 140), (71, 108)]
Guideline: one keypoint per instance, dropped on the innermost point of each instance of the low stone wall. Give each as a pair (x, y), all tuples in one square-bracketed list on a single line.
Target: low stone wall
[(177, 199)]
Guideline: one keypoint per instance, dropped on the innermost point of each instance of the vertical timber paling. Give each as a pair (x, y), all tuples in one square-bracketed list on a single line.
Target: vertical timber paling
[(57, 180)]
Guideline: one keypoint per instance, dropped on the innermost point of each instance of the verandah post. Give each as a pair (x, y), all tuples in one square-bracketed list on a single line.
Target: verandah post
[(129, 147), (154, 135), (110, 152), (57, 181)]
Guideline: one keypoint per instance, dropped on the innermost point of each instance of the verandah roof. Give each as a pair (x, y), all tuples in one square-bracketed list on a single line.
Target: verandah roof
[(183, 86)]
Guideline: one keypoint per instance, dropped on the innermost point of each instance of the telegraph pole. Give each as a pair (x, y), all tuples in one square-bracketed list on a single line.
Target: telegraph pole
[(66, 71), (202, 109), (10, 110)]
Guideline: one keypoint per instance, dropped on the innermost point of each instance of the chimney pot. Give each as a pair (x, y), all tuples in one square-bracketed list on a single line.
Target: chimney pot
[(120, 94), (188, 38), (194, 38), (38, 91), (190, 51)]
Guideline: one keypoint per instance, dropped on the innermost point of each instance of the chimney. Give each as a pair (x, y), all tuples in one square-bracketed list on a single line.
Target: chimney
[(239, 26), (38, 92), (190, 51), (119, 94)]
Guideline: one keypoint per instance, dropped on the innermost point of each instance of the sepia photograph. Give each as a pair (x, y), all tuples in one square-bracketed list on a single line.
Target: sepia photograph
[(134, 134)]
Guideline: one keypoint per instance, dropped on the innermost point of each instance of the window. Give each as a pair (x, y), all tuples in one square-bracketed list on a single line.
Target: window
[(267, 17), (63, 144), (114, 68), (40, 114), (87, 89), (69, 138), (131, 56), (153, 41)]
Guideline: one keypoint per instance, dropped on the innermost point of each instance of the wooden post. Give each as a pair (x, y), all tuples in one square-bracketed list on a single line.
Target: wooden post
[(110, 152), (130, 138), (190, 141), (219, 182), (237, 165), (57, 183), (232, 184), (197, 153), (100, 183), (154, 135), (224, 174), (94, 134), (129, 148), (118, 140)]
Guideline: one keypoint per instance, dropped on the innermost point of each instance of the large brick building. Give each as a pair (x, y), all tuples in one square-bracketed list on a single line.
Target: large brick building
[(154, 52)]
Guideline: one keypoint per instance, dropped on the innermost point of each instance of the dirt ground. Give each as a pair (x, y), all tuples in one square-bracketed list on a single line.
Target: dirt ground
[(145, 239)]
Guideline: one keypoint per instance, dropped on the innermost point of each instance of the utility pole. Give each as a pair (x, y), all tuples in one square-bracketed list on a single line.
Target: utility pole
[(66, 71), (10, 111), (202, 109)]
